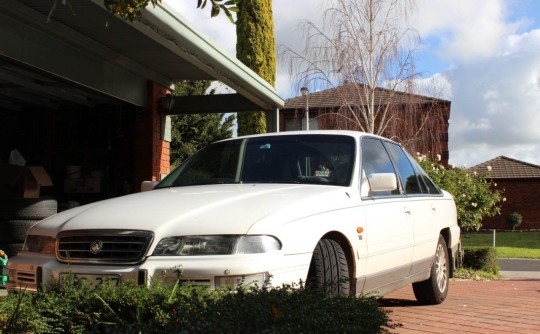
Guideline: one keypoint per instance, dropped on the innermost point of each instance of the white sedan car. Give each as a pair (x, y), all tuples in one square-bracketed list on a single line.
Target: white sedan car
[(344, 211)]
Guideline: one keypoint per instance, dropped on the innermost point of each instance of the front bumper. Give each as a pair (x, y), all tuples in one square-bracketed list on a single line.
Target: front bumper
[(34, 272)]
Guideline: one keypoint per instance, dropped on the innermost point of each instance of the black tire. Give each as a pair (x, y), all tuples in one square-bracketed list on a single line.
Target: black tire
[(11, 249), (435, 289), (14, 231), (27, 208), (329, 270)]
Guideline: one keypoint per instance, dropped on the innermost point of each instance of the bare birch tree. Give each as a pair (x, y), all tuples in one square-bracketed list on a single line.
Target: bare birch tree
[(366, 48)]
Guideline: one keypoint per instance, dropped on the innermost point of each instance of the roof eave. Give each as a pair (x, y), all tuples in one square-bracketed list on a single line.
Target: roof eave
[(171, 30)]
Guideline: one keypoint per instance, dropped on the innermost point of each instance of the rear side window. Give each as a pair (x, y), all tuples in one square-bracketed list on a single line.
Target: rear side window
[(407, 175), (428, 186)]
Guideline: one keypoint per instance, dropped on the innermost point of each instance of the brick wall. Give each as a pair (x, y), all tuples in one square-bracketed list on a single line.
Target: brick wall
[(522, 196), (152, 156)]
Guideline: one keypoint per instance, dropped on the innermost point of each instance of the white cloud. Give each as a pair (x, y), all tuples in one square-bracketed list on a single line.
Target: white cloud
[(436, 86), (466, 29), (496, 103), (289, 14)]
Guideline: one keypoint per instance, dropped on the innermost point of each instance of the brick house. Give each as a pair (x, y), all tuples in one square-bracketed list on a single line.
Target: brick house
[(419, 123), (520, 182)]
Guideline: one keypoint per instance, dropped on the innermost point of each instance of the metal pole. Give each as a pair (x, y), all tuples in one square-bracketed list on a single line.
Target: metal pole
[(305, 93), (494, 235), (307, 114)]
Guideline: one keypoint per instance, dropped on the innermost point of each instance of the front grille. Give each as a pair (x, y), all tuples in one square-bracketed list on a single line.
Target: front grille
[(103, 246), (26, 278), (196, 282)]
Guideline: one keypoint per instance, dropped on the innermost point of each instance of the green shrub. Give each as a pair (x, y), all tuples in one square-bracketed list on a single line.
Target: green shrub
[(475, 195), (514, 220), (484, 259), (69, 308)]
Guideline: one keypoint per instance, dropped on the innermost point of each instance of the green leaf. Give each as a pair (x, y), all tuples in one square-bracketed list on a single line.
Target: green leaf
[(229, 15), (201, 5), (215, 10)]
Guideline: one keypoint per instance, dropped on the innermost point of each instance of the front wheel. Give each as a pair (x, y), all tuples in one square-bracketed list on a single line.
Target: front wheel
[(434, 290), (329, 270)]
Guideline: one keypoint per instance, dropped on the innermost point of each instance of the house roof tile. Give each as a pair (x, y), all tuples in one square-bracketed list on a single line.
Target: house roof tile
[(507, 168), (350, 93)]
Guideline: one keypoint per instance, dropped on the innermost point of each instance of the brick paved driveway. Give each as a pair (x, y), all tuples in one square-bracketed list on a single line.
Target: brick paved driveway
[(471, 307)]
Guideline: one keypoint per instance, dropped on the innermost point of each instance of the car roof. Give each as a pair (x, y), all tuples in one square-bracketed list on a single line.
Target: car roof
[(355, 134)]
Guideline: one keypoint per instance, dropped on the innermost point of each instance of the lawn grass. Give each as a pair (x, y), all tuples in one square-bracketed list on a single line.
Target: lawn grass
[(525, 245)]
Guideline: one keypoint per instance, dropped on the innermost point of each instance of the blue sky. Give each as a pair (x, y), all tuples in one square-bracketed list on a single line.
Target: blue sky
[(484, 53)]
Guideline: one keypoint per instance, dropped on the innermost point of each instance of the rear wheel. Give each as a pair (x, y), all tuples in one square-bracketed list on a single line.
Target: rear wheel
[(434, 290), (329, 270)]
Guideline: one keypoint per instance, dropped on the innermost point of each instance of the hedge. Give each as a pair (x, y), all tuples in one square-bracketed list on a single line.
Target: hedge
[(128, 308), (484, 259)]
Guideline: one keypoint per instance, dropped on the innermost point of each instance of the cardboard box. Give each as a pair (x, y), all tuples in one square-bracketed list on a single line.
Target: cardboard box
[(85, 186), (22, 181)]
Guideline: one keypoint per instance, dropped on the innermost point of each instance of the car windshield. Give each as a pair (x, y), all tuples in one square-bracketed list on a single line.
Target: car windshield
[(315, 159)]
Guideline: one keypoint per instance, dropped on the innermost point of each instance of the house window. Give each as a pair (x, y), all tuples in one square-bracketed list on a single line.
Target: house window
[(295, 124)]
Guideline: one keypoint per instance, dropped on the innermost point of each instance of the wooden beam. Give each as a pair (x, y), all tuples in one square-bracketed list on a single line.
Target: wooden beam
[(208, 104)]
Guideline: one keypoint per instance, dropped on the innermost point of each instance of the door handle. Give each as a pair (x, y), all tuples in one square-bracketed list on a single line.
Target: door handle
[(407, 210)]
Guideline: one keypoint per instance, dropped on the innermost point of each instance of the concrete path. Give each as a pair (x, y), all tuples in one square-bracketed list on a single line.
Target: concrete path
[(519, 264), (519, 268)]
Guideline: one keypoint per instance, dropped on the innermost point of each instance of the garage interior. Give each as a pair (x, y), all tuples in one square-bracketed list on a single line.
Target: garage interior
[(74, 133)]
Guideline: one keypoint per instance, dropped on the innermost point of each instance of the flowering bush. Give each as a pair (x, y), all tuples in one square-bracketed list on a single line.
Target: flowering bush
[(476, 198)]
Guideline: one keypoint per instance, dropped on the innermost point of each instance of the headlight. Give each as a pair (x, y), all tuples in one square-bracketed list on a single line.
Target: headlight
[(40, 244), (216, 245), (251, 244)]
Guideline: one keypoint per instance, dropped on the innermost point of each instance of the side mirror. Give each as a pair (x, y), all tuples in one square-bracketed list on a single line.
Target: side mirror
[(148, 185), (382, 181)]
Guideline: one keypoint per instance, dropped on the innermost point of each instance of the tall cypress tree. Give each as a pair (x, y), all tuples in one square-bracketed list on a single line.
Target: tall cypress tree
[(255, 47)]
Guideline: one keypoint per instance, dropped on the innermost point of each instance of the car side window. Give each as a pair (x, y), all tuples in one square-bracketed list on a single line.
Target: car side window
[(375, 159), (431, 187), (409, 179)]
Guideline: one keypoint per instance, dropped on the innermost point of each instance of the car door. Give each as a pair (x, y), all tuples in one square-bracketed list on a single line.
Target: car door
[(389, 225), (422, 208)]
